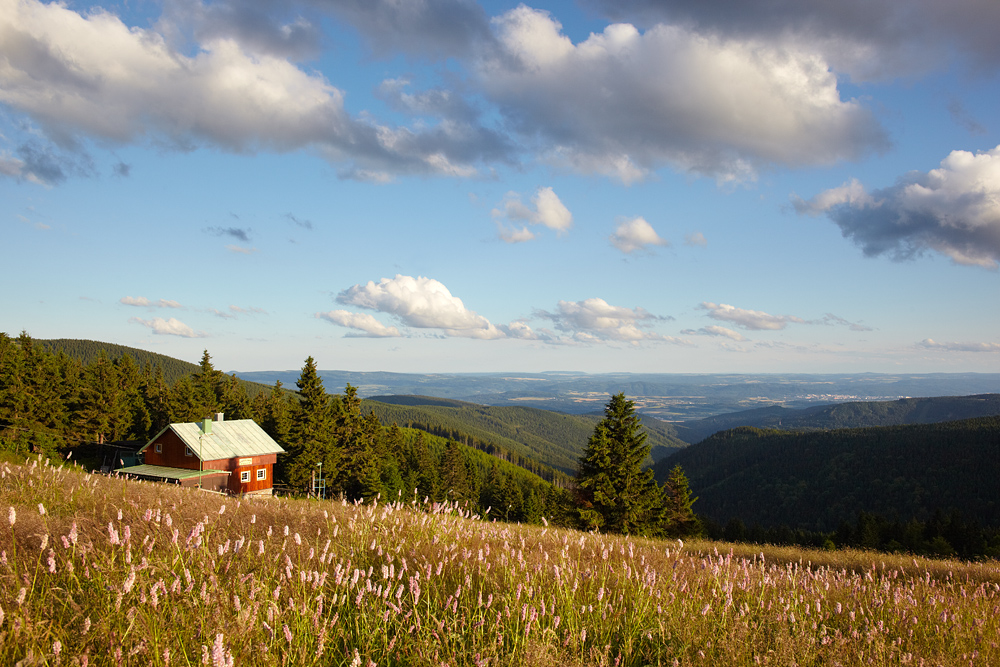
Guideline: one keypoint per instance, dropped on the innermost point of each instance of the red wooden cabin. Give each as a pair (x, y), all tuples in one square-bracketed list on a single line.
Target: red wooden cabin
[(235, 456)]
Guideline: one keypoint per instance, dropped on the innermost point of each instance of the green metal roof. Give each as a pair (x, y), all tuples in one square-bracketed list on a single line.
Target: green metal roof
[(167, 473), (228, 439)]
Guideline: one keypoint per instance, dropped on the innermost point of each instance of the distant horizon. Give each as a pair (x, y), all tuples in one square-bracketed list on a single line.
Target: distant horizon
[(195, 359)]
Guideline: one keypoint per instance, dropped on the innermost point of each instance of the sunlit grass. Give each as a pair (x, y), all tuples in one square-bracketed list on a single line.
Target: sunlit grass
[(105, 571)]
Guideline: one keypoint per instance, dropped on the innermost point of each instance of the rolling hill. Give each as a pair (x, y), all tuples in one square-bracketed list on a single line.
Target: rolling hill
[(87, 352), (813, 480), (553, 439), (855, 414)]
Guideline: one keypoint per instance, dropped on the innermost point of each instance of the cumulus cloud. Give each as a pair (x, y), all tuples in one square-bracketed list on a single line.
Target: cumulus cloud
[(960, 347), (623, 103), (279, 29), (363, 322), (595, 320), (635, 234), (868, 39), (715, 330), (170, 327), (143, 302), (513, 234), (546, 210), (754, 320), (953, 210), (421, 303), (93, 76), (695, 239)]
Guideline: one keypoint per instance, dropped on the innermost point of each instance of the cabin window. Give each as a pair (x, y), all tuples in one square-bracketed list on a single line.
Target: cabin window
[(188, 452), (261, 474), (245, 476), (159, 448)]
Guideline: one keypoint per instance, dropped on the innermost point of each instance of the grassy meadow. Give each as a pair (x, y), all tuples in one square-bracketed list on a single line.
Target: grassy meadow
[(100, 570)]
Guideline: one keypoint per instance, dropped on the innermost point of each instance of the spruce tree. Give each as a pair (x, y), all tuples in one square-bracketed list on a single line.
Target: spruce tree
[(311, 438), (614, 493), (679, 518)]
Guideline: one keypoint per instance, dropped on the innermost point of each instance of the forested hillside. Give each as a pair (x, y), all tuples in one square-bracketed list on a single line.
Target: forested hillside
[(522, 435), (54, 404), (88, 352), (856, 414), (815, 480)]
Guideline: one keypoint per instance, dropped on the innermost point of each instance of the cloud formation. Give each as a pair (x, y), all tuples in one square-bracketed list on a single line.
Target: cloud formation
[(234, 232), (931, 344), (868, 39), (623, 103), (363, 322), (546, 210), (93, 76), (635, 234), (715, 330), (754, 320), (953, 210), (143, 302), (421, 303), (695, 239), (595, 320), (169, 327)]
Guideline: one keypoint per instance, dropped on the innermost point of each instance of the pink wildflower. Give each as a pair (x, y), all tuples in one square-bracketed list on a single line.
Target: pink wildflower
[(11, 516)]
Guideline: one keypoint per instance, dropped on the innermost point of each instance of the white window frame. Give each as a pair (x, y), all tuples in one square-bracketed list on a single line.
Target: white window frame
[(244, 477), (261, 474), (158, 447)]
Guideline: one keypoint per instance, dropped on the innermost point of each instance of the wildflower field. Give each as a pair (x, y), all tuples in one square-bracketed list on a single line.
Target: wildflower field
[(100, 570)]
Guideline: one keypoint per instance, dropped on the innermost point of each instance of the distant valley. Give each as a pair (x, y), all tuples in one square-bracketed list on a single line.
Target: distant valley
[(669, 397)]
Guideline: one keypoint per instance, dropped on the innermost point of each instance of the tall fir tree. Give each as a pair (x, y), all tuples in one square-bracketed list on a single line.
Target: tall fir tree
[(614, 493), (310, 440), (679, 517)]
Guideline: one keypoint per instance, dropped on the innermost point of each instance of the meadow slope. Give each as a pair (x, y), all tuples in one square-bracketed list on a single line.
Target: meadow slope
[(108, 571)]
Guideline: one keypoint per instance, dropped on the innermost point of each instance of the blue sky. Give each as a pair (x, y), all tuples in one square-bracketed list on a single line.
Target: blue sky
[(451, 186)]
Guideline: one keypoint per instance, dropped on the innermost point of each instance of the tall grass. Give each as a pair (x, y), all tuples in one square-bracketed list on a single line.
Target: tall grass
[(108, 571)]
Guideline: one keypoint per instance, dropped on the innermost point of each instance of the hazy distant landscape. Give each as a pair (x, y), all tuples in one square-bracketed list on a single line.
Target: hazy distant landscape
[(666, 396)]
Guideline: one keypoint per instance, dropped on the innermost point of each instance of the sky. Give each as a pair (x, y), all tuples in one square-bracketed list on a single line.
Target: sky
[(435, 186)]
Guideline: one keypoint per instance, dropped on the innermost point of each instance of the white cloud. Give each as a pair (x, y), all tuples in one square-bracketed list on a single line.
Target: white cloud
[(170, 327), (595, 320), (715, 330), (635, 234), (93, 76), (623, 103), (360, 321), (960, 347), (953, 210), (511, 234), (548, 211), (695, 239), (754, 320), (422, 303), (143, 302)]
